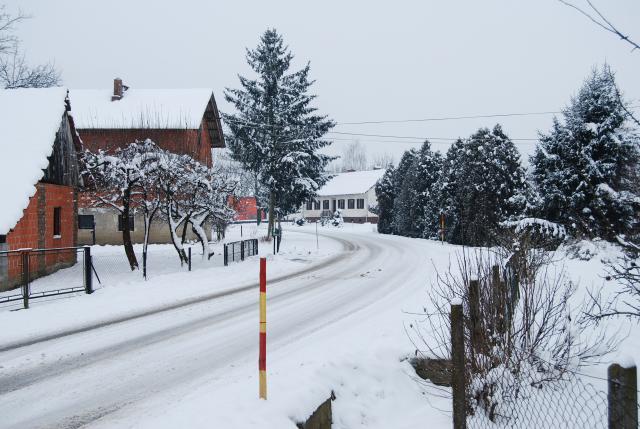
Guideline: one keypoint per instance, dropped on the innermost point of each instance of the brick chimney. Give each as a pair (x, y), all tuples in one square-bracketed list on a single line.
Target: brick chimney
[(118, 90)]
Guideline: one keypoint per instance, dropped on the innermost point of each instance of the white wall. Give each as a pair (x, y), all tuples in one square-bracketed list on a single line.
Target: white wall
[(369, 200)]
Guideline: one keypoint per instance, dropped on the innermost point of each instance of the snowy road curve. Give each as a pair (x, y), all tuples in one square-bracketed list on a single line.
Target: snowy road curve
[(72, 380)]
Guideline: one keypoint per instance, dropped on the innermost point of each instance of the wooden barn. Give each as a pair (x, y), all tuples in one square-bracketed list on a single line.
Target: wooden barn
[(183, 121), (39, 176)]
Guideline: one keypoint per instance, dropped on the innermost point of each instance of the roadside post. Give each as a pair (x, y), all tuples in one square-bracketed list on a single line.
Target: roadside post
[(262, 358), (442, 228), (317, 241)]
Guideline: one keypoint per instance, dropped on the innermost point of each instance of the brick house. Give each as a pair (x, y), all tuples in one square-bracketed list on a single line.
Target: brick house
[(184, 121), (39, 172), (246, 209)]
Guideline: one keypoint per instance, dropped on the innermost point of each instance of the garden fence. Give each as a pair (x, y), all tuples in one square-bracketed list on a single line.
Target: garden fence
[(24, 273), (239, 250)]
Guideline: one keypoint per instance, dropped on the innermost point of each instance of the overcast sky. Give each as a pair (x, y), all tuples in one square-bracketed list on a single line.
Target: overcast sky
[(372, 60)]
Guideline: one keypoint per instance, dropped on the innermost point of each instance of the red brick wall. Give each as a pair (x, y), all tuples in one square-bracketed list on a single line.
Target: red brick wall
[(35, 230), (178, 141), (245, 208)]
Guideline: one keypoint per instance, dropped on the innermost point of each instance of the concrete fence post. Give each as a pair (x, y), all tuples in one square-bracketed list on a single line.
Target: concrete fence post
[(623, 396), (457, 361)]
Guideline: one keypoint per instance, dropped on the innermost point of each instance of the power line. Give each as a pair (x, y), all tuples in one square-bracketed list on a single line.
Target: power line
[(454, 118), (414, 138)]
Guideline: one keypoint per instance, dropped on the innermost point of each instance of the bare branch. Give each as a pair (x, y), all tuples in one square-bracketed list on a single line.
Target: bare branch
[(601, 21), (16, 73)]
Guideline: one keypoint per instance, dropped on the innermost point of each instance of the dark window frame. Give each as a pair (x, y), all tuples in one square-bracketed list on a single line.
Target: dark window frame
[(360, 203), (325, 204), (316, 205), (3, 238), (351, 203), (85, 224), (310, 205), (341, 204), (57, 222), (132, 223)]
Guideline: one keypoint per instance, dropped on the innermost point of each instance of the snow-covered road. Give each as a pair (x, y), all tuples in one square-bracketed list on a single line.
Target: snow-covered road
[(101, 374)]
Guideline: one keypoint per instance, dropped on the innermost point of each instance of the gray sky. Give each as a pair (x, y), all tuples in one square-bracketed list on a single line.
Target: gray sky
[(372, 60)]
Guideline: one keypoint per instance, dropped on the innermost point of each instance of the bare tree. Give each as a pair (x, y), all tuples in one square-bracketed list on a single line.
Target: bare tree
[(15, 72), (382, 160), (517, 321), (595, 16), (354, 157)]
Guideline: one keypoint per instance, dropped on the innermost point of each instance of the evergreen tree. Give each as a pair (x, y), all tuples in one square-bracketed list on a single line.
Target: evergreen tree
[(401, 223), (418, 216), (584, 167), (385, 194), (482, 185), (276, 132)]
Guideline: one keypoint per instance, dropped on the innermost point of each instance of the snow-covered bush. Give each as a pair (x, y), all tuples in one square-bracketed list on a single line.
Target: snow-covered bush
[(518, 322), (538, 233)]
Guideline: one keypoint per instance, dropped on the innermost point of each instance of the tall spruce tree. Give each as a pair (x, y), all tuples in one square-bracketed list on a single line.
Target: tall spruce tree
[(584, 168), (385, 194), (401, 224), (417, 205), (276, 132), (482, 185)]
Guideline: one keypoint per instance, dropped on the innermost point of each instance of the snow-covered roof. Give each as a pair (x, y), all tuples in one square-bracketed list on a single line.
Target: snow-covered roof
[(29, 121), (139, 108), (356, 182)]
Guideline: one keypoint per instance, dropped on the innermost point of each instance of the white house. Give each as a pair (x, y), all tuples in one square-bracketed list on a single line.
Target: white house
[(353, 194)]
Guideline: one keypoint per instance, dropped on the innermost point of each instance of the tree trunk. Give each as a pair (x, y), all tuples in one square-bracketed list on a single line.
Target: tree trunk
[(126, 232), (272, 203)]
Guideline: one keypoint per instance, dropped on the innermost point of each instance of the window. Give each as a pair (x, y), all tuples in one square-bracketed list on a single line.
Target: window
[(309, 205), (341, 204), (56, 221), (121, 223), (3, 239), (316, 205), (351, 203), (360, 203), (325, 205), (85, 222)]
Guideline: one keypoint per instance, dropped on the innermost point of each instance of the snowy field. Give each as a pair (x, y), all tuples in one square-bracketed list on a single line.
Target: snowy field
[(338, 327)]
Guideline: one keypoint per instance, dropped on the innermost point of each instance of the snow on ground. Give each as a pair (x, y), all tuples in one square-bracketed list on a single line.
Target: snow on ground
[(125, 293), (339, 329)]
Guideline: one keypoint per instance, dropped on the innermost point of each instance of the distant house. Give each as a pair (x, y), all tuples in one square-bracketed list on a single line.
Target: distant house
[(353, 194), (183, 121), (39, 176), (246, 209)]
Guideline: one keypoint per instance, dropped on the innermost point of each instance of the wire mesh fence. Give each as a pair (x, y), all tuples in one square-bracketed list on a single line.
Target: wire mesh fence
[(528, 400)]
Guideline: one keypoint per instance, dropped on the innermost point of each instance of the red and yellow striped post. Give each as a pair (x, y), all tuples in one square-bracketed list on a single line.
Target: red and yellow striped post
[(262, 359)]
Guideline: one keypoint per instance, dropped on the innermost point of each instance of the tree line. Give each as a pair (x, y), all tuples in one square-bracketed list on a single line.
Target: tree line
[(582, 179)]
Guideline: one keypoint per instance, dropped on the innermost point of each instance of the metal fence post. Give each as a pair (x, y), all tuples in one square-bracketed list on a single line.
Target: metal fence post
[(26, 274), (88, 277), (623, 397), (457, 361), (242, 250), (189, 258), (226, 256)]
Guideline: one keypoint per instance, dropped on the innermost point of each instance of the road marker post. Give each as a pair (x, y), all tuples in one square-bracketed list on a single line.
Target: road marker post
[(262, 358)]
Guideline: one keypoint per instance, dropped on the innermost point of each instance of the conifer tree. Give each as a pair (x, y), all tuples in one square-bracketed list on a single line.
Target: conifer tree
[(276, 133), (401, 206), (584, 168), (385, 194), (482, 185)]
